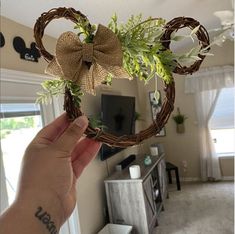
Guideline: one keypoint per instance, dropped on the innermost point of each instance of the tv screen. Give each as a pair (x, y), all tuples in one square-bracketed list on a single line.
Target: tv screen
[(118, 117)]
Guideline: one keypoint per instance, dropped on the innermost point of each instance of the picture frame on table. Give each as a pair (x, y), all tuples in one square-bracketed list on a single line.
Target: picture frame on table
[(156, 106)]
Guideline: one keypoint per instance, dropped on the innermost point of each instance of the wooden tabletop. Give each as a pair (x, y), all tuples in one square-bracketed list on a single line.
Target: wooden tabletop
[(124, 175)]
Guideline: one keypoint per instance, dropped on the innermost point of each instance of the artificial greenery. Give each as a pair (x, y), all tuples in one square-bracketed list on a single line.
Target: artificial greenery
[(179, 118), (144, 56), (96, 122), (138, 116), (143, 53), (85, 29), (56, 87)]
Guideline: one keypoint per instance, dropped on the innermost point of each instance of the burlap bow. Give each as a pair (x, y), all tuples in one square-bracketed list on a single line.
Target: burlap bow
[(104, 55)]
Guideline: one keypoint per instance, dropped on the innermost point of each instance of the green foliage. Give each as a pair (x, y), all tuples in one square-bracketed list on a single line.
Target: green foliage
[(9, 124), (75, 91), (85, 29), (108, 80), (96, 122), (17, 123), (179, 118), (50, 88), (143, 54), (4, 133), (137, 116), (56, 87)]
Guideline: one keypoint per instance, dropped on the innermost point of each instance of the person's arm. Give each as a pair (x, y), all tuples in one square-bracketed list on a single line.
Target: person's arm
[(34, 215), (51, 165)]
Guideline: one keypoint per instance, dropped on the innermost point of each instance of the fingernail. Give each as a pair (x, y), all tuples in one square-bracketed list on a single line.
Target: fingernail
[(81, 121)]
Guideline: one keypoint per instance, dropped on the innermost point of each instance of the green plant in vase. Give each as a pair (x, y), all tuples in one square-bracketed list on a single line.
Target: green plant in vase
[(179, 120)]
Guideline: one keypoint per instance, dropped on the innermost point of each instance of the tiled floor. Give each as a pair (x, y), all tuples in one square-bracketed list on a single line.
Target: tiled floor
[(199, 208)]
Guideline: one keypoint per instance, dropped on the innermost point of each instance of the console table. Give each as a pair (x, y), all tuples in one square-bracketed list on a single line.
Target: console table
[(138, 202)]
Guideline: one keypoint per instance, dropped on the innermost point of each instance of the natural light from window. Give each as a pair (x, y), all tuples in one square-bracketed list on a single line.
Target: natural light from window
[(19, 124), (224, 140), (222, 123)]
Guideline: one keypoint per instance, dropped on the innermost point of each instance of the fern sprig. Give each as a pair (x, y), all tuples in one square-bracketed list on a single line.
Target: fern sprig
[(143, 53), (56, 87)]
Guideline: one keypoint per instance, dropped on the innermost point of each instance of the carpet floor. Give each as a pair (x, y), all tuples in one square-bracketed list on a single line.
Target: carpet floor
[(199, 208)]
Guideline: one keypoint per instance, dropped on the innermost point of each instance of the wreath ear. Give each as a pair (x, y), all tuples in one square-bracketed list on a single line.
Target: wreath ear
[(19, 45), (2, 40)]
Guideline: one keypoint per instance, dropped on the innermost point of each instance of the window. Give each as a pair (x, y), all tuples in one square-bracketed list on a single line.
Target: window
[(222, 123), (19, 124)]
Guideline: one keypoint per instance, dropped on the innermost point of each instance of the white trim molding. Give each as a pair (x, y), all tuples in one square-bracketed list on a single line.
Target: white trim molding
[(196, 179), (187, 179), (22, 77), (228, 178), (190, 179)]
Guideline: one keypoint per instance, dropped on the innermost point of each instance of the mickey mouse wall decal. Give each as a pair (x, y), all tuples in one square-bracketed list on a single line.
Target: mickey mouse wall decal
[(2, 40), (30, 54)]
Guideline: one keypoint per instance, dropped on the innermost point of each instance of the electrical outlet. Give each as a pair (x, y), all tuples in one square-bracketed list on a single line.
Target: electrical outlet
[(185, 165)]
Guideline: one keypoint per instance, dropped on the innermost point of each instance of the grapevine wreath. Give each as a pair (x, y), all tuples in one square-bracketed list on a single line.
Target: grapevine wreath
[(138, 49)]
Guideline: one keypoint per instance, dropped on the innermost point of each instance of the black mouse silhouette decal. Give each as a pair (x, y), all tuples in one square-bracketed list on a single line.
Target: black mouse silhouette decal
[(2, 40), (30, 54)]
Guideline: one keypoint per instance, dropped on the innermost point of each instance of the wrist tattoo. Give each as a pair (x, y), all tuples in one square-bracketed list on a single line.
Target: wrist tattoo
[(45, 218)]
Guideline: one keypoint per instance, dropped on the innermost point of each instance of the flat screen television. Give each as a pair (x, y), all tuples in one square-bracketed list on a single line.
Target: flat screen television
[(118, 117)]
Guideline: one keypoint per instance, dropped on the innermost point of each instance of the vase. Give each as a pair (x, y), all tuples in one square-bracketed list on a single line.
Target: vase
[(180, 128)]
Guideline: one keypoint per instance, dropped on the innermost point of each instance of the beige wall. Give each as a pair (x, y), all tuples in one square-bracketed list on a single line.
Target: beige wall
[(10, 59), (181, 147), (91, 199), (227, 166)]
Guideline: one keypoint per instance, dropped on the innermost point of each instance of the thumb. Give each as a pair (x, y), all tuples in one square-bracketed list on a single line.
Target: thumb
[(68, 140)]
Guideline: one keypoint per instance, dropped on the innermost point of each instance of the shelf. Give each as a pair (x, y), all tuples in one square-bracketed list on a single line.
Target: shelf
[(155, 183), (158, 207)]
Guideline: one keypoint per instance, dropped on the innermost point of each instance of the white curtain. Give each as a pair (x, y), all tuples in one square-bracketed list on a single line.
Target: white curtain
[(206, 86), (3, 188)]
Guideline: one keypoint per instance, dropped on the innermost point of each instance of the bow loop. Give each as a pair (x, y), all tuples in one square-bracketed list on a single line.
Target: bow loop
[(104, 54)]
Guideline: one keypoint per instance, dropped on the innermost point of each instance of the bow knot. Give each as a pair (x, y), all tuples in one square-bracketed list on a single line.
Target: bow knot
[(87, 52), (105, 54)]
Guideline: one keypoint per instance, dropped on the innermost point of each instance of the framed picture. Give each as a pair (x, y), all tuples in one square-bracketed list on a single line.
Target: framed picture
[(156, 105)]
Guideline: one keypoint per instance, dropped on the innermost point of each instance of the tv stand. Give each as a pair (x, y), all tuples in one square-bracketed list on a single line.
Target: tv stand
[(138, 202)]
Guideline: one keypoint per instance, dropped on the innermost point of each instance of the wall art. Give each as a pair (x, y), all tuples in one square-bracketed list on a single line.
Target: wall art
[(30, 54), (156, 105), (2, 40)]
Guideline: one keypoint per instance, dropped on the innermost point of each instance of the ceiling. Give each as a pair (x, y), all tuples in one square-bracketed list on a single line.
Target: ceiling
[(27, 11)]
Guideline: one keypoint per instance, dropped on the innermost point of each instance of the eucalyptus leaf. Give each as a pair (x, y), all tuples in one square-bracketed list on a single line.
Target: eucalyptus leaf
[(195, 30), (206, 53), (194, 51), (179, 38), (157, 95)]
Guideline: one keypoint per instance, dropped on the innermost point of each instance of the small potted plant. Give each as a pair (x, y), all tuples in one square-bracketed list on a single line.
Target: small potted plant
[(179, 120)]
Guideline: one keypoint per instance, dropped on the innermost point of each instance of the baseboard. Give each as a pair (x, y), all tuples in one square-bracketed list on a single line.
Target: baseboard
[(187, 179), (194, 179), (228, 178)]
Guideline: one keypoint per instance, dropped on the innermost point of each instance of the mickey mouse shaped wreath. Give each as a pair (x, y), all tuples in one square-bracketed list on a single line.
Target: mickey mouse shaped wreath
[(139, 49)]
